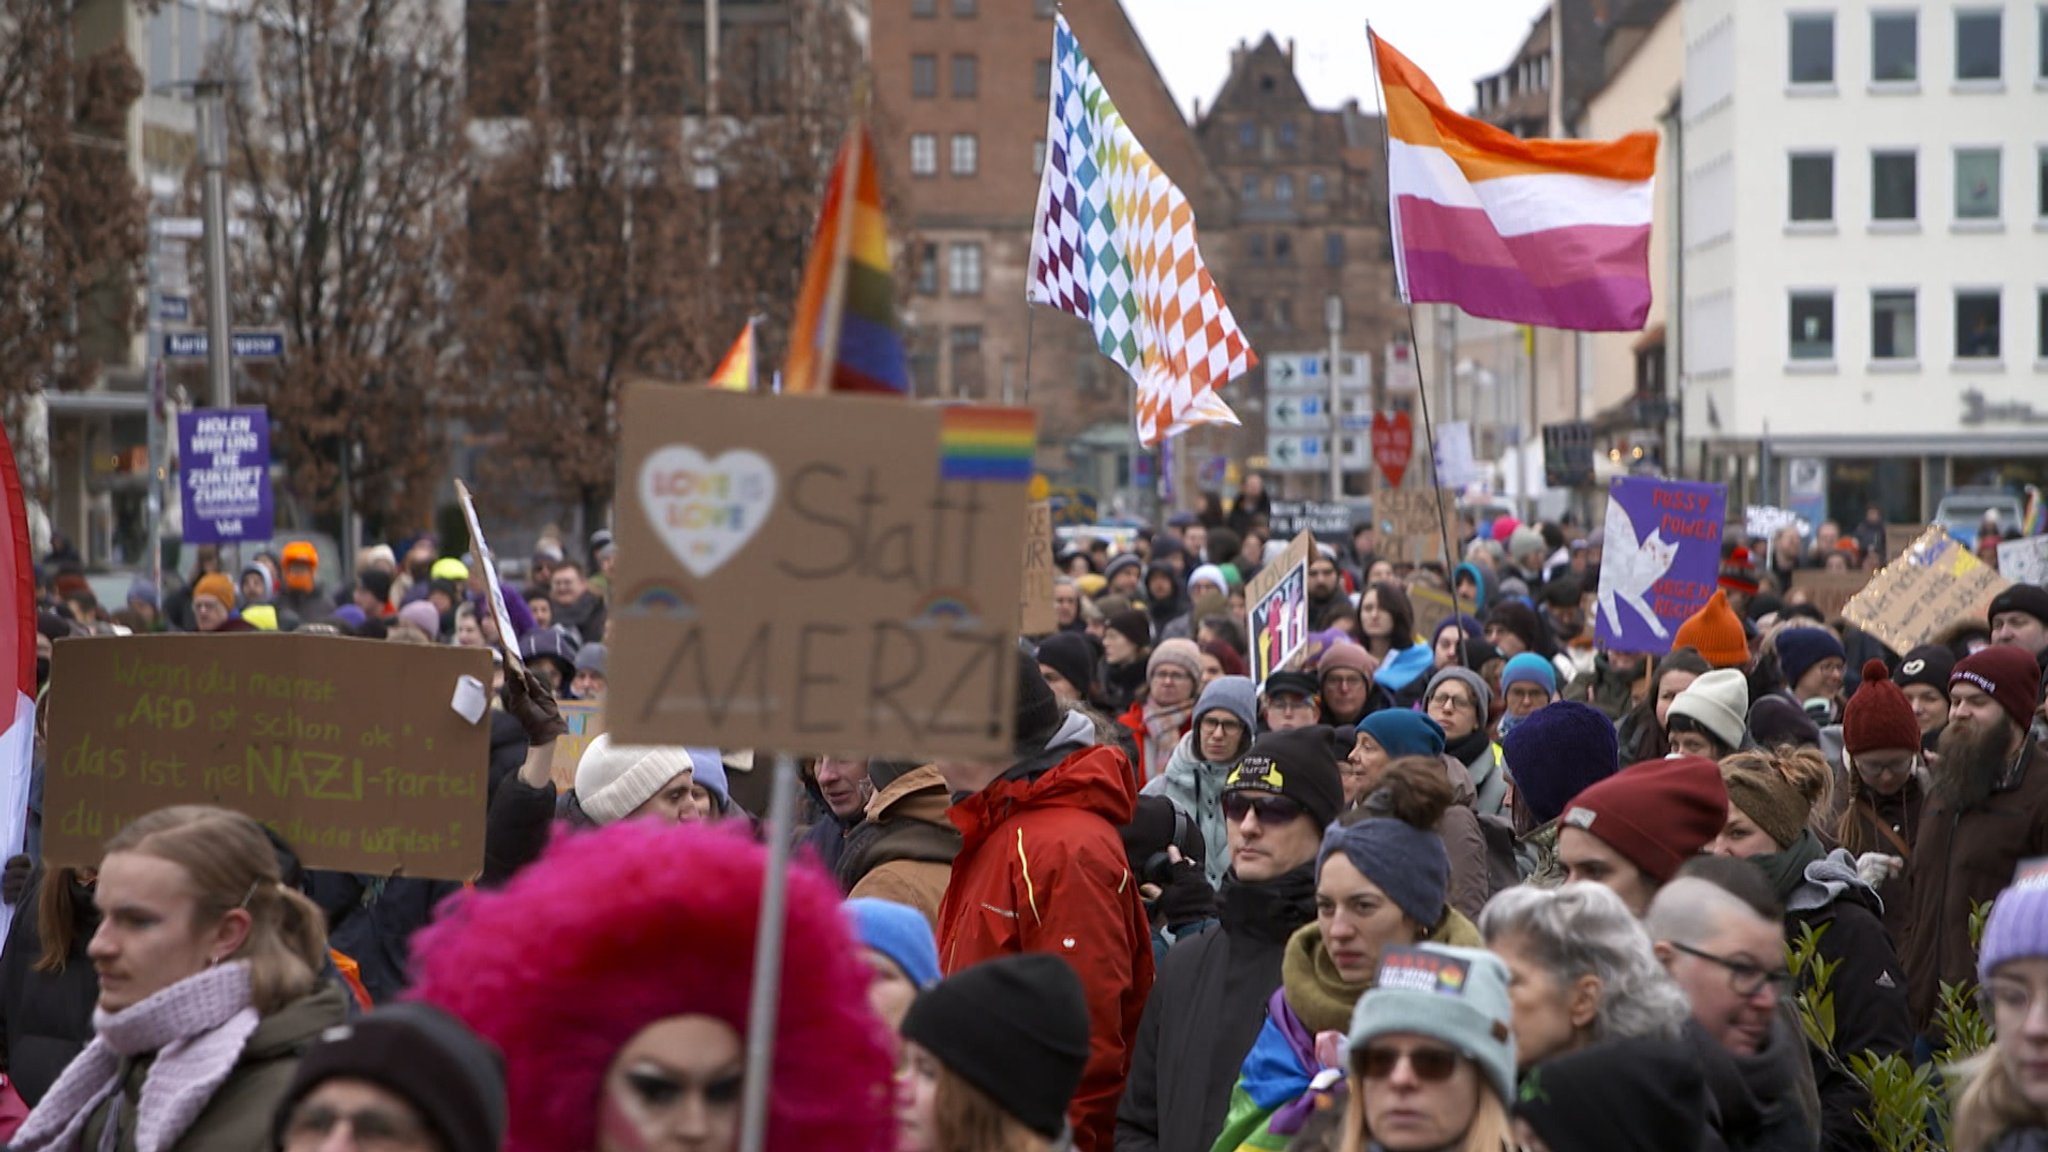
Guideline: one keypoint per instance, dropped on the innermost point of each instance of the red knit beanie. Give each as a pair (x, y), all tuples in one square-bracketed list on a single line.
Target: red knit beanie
[(1878, 716), (2008, 675), (1657, 814)]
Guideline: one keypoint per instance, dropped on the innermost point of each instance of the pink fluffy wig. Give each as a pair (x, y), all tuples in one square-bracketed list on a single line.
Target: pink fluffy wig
[(615, 929)]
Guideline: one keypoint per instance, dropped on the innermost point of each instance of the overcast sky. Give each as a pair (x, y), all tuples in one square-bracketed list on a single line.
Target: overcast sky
[(1455, 42)]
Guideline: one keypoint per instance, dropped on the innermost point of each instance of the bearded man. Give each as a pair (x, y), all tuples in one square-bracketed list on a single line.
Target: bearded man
[(1988, 810)]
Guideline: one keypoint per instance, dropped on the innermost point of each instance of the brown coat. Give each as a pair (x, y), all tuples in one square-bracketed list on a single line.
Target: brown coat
[(1471, 879), (904, 850), (1960, 860)]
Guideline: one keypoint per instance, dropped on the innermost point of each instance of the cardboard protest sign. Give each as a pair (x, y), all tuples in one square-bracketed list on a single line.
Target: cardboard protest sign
[(1763, 521), (349, 749), (1317, 517), (1034, 608), (1829, 591), (1432, 608), (1277, 609), (2024, 561), (508, 640), (1413, 523), (1899, 537), (1661, 562), (586, 723), (817, 574), (1912, 599)]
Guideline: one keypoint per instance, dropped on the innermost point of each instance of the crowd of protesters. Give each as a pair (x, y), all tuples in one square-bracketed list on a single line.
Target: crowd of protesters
[(1469, 883)]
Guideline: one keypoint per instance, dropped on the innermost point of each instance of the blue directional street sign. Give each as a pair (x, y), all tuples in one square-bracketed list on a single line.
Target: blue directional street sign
[(250, 345), (173, 308)]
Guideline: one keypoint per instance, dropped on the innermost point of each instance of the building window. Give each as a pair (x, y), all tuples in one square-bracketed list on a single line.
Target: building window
[(924, 154), (1978, 51), (1283, 314), (1813, 326), (1283, 188), (1287, 133), (2041, 182), (966, 154), (1044, 9), (924, 77), (1894, 186), (1041, 80), (1038, 157), (1255, 247), (1894, 325), (1247, 134), (1977, 324), (2041, 326), (2041, 43), (1813, 48), (924, 9), (1976, 183), (1318, 187), (964, 8), (1894, 47), (963, 269), (927, 269), (965, 79), (1333, 249), (1283, 248), (1813, 188), (1249, 190), (967, 365)]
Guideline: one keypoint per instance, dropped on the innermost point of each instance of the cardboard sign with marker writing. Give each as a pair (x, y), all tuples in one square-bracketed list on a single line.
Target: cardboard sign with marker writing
[(1830, 591), (1035, 615), (586, 723), (1410, 527), (508, 640), (1936, 582), (1432, 608), (1276, 609), (817, 574), (349, 749)]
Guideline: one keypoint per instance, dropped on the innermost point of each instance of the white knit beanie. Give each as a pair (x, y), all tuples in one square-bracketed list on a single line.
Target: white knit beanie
[(614, 779), (1719, 700)]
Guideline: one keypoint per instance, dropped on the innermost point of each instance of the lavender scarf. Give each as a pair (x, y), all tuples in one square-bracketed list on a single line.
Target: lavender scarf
[(196, 1027)]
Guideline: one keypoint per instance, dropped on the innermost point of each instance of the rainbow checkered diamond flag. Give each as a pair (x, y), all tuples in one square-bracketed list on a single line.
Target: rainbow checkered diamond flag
[(1114, 244)]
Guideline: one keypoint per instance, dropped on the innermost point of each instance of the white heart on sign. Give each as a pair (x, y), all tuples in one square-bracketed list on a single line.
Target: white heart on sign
[(706, 510)]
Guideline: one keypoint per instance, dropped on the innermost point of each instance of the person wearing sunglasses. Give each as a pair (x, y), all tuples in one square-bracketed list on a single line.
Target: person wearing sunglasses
[(1432, 1055), (1381, 883), (1719, 932), (1211, 997)]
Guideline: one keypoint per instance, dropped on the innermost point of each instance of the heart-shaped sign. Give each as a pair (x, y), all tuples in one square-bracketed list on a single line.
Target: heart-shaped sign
[(1393, 445), (706, 510)]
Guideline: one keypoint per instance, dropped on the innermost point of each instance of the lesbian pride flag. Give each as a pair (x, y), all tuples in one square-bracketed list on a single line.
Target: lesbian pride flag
[(1554, 233)]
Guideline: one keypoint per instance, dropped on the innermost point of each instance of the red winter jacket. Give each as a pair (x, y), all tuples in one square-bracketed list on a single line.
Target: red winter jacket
[(1042, 869)]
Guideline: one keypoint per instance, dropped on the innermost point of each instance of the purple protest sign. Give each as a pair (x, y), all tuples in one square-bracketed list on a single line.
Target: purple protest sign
[(224, 474), (1661, 562)]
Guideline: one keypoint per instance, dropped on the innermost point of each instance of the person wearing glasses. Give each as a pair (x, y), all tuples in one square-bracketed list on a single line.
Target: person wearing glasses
[(1164, 712), (1718, 931), (1381, 883), (1211, 997), (1432, 1055), (1772, 798), (2004, 1104), (1289, 700), (1458, 699), (407, 1077)]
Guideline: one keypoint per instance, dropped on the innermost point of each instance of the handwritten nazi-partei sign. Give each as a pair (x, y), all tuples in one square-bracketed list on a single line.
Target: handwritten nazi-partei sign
[(817, 573), (349, 749)]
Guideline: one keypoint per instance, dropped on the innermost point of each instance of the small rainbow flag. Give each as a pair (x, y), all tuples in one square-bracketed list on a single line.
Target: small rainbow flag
[(996, 445), (736, 372), (2035, 521), (845, 337)]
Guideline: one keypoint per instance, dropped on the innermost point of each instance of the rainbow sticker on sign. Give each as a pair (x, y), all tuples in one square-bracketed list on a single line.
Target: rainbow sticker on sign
[(990, 444)]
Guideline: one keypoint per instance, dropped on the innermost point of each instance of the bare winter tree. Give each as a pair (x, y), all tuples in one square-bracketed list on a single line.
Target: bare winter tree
[(350, 143), (601, 249), (71, 217)]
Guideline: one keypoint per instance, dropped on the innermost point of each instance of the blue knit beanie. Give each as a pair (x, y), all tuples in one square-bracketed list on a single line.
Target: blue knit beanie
[(1404, 733), (1529, 668), (1558, 751), (1799, 649), (1408, 863), (2018, 927), (899, 932)]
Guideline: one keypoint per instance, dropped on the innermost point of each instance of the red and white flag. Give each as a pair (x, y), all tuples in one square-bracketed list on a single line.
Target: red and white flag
[(17, 662)]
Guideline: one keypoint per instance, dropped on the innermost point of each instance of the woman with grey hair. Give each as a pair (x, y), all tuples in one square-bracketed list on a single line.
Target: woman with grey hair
[(1582, 969)]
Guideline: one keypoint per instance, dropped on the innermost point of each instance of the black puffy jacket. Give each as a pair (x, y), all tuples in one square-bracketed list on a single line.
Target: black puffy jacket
[(46, 1017)]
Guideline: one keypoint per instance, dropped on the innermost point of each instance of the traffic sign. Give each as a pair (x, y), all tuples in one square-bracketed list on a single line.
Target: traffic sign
[(1291, 411), (245, 345), (1294, 370), (1357, 422), (193, 228), (174, 308), (1286, 453)]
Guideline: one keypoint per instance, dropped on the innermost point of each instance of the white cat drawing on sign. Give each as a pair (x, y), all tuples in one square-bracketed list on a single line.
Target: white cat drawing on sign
[(1630, 567)]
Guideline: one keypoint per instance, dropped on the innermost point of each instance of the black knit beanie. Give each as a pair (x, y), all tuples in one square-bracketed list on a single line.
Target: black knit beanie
[(1640, 1093), (1300, 764), (1072, 655), (1016, 1028), (453, 1078), (1038, 710)]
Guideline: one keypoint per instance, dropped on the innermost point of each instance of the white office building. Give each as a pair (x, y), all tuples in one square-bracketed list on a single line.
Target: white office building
[(1864, 234)]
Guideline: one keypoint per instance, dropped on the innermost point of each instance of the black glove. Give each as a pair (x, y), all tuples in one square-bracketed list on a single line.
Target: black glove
[(528, 701), (1186, 897), (14, 879)]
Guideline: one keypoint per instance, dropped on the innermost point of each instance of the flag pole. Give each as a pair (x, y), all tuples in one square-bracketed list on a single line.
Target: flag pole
[(1029, 317), (1443, 527)]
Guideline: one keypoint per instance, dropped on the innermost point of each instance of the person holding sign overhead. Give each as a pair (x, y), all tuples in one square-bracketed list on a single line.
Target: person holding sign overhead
[(209, 991)]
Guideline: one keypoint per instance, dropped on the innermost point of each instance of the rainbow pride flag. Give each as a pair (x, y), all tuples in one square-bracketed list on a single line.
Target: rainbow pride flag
[(736, 372), (2034, 522), (996, 445), (1554, 233), (845, 337)]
